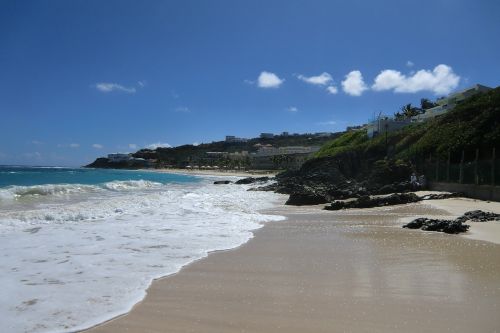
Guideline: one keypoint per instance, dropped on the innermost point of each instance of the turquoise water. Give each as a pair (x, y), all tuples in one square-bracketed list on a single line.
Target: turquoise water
[(29, 176), (85, 244)]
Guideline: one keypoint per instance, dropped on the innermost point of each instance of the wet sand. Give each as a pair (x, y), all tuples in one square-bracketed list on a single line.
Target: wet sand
[(322, 271)]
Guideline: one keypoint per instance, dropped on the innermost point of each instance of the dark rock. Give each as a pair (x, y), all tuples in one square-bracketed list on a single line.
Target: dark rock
[(440, 196), (386, 189), (336, 205), (479, 216), (446, 226), (455, 227), (301, 199), (269, 188), (222, 182), (416, 223), (251, 180), (366, 201), (388, 171), (435, 225)]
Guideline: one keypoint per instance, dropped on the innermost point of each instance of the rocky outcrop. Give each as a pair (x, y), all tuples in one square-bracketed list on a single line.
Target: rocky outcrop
[(439, 196), (104, 163), (369, 202), (452, 226), (446, 226), (222, 182), (322, 180), (479, 216), (252, 180), (305, 198), (268, 188)]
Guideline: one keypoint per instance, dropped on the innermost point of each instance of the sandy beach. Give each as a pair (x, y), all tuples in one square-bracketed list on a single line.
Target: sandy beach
[(344, 271)]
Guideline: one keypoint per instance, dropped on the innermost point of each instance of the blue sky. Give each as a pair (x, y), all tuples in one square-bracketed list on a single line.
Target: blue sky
[(80, 79)]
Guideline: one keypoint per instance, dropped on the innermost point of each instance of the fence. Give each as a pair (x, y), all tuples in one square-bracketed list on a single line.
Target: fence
[(478, 167)]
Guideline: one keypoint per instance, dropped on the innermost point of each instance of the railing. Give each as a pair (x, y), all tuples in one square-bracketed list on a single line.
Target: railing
[(479, 167)]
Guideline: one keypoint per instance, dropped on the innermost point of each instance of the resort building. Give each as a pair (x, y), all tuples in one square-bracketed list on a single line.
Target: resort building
[(447, 103), (383, 125), (323, 134), (268, 150), (233, 139), (292, 157), (266, 135)]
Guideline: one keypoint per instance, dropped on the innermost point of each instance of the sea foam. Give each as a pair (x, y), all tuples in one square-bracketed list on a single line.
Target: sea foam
[(76, 255)]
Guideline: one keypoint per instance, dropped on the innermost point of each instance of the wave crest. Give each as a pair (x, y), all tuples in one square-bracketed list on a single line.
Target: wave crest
[(19, 192)]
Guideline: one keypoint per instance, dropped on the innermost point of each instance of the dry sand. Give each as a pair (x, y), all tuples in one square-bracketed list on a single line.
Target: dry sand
[(345, 271)]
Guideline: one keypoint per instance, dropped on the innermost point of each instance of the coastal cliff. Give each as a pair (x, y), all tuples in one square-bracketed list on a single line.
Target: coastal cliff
[(353, 165)]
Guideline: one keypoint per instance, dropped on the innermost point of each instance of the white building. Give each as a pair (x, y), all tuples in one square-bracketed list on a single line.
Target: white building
[(266, 135), (273, 151), (445, 104), (382, 125), (232, 138)]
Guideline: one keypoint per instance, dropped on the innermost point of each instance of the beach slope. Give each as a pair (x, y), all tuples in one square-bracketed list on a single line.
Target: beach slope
[(345, 271)]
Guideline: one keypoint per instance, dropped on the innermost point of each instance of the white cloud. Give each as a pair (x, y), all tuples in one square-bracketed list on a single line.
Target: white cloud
[(36, 142), (132, 146), (410, 63), (354, 84), (320, 80), (142, 83), (332, 90), (441, 80), (196, 144), (97, 146), (182, 109), (74, 145), (159, 145), (292, 109), (107, 87), (269, 80)]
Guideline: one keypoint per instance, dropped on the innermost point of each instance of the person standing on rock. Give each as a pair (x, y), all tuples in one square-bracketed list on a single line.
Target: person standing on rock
[(422, 182), (413, 181)]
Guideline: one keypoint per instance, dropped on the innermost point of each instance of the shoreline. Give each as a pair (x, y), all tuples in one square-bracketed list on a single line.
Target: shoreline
[(181, 291)]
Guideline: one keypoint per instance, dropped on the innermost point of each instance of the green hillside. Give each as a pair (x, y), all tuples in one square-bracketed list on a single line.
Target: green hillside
[(475, 123)]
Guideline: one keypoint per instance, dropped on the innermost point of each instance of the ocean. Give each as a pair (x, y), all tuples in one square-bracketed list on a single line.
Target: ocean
[(81, 246)]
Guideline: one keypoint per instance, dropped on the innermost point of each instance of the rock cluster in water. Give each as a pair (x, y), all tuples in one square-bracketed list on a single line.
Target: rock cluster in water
[(252, 180), (222, 182)]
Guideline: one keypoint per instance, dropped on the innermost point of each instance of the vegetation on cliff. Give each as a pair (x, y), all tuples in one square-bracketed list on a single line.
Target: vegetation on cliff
[(475, 123), (353, 165)]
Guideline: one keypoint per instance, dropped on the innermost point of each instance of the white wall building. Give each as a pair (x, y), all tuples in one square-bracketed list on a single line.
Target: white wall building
[(382, 125), (273, 151), (445, 104)]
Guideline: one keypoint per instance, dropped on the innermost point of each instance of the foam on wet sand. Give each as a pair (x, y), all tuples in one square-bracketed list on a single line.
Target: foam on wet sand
[(344, 271)]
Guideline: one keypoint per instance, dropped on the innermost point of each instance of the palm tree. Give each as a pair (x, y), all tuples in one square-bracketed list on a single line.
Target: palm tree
[(408, 111), (426, 104)]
